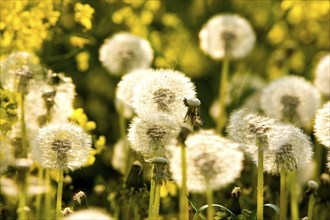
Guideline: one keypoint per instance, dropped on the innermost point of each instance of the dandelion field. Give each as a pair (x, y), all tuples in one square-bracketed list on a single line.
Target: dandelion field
[(150, 109)]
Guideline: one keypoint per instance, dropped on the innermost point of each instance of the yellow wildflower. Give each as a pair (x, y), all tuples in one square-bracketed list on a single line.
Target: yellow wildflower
[(83, 14)]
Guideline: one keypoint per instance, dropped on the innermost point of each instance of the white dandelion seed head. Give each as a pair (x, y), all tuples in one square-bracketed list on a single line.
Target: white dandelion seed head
[(150, 136), (124, 52), (164, 91), (90, 213), (289, 148), (322, 75), (209, 156), (119, 157), (246, 127), (227, 32), (125, 89), (61, 146), (322, 125), (291, 98), (19, 69)]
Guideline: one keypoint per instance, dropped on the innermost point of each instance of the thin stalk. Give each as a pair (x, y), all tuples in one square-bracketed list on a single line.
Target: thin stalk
[(122, 129), (318, 158), (260, 186), (47, 194), (293, 200), (222, 93), (23, 127), (282, 194), (310, 206), (59, 194), (184, 209), (39, 196), (154, 200), (209, 199), (22, 211)]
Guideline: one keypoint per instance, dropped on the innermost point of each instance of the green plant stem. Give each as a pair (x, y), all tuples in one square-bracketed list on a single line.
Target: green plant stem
[(59, 194), (282, 194), (310, 206), (260, 186), (318, 158), (209, 199), (293, 200), (154, 200), (223, 93), (48, 207), (23, 127), (39, 196), (122, 129), (184, 209), (22, 211)]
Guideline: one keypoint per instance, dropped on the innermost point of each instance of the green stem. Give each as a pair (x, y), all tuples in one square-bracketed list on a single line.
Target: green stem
[(318, 158), (209, 199), (39, 196), (310, 206), (23, 127), (184, 209), (293, 200), (48, 207), (260, 185), (22, 208), (282, 194), (59, 194), (222, 94), (154, 200)]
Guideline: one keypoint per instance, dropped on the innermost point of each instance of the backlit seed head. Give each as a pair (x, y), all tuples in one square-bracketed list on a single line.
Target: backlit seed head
[(125, 89), (322, 125), (229, 34), (61, 146), (90, 213), (125, 52), (313, 185), (150, 136), (210, 157), (322, 75), (289, 148), (163, 92), (291, 99), (19, 70)]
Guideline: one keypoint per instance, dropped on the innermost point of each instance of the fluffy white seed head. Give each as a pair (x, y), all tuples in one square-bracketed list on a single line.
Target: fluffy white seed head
[(61, 146), (124, 52), (87, 214), (228, 32), (119, 157), (246, 128), (322, 75), (125, 89), (149, 136), (19, 69), (289, 149), (163, 92), (209, 156), (291, 99), (322, 125)]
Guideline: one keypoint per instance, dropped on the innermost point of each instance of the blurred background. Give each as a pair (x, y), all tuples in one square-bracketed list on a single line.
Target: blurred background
[(66, 35)]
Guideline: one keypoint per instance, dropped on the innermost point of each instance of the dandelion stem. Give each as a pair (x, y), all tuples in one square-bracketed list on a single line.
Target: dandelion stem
[(47, 194), (310, 206), (122, 128), (209, 199), (22, 209), (222, 93), (184, 210), (318, 160), (293, 200), (282, 194), (260, 185), (59, 194), (39, 196), (154, 200)]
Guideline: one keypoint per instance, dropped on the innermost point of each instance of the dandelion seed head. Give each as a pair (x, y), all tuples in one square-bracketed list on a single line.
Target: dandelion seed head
[(322, 125), (119, 157), (227, 32), (289, 148), (90, 213), (322, 75), (150, 136), (163, 92), (18, 70), (291, 98), (125, 89), (61, 146), (125, 52), (208, 156)]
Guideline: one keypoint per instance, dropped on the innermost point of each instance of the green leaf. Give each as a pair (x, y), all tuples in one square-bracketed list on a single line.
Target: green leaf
[(253, 215), (201, 209)]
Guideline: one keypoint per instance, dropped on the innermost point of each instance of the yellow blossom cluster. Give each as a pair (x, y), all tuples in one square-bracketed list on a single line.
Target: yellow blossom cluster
[(25, 24), (83, 15)]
